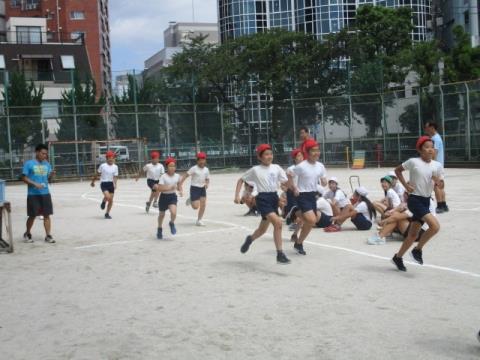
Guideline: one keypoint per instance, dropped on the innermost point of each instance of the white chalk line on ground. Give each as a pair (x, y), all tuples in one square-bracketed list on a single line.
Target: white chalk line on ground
[(352, 251)]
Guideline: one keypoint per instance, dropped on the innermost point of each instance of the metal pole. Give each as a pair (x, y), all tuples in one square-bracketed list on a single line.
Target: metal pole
[(294, 121), (469, 147), (419, 111), (74, 109), (223, 135), (167, 121), (195, 113), (384, 121), (135, 102), (350, 127), (442, 113), (323, 131), (398, 147), (259, 111), (267, 117), (9, 131)]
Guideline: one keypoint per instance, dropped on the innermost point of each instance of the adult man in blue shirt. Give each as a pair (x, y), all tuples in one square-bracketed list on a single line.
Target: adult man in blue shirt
[(431, 129), (36, 174)]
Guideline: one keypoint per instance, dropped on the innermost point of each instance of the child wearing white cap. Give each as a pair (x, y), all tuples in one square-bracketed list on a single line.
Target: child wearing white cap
[(338, 200), (361, 213), (398, 187)]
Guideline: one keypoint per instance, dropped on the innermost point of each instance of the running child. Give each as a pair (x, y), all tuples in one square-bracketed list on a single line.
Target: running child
[(424, 173), (297, 156), (361, 213), (108, 181), (153, 170), (168, 184), (266, 177), (37, 173), (198, 186), (310, 173)]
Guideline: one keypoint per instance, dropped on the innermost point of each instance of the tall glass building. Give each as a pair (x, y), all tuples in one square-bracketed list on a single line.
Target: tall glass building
[(318, 17)]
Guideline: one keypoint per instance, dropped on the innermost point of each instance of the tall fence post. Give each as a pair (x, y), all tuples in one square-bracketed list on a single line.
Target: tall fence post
[(9, 131), (74, 110), (468, 128), (167, 126), (223, 135), (350, 125), (135, 103), (419, 107), (384, 125), (294, 121), (442, 114), (323, 131)]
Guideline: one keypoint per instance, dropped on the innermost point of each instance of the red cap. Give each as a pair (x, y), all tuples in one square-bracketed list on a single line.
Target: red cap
[(262, 147), (295, 152), (110, 154), (422, 140), (308, 144), (201, 155), (155, 155), (170, 160)]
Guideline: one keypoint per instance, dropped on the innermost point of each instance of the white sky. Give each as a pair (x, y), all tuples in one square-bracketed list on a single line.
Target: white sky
[(137, 30)]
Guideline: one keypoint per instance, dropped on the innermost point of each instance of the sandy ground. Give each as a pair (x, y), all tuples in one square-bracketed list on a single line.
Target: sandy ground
[(110, 290)]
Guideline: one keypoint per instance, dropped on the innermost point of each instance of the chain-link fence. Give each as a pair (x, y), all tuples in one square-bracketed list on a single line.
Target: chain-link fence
[(382, 126)]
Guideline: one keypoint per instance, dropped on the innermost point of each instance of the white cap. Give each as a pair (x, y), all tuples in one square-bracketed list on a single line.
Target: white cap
[(392, 174), (320, 189), (333, 178), (361, 191)]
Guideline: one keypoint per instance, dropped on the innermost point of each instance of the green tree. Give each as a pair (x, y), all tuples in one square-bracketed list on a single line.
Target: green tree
[(463, 61), (25, 106), (89, 109)]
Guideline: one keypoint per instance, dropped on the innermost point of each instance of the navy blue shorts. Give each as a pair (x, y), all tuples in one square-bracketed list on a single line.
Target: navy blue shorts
[(267, 202), (107, 186), (197, 192), (291, 201), (307, 201), (151, 183), (324, 221), (166, 200), (361, 222), (39, 205), (419, 206)]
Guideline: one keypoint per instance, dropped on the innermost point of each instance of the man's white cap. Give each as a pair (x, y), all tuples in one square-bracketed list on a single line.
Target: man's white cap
[(333, 178), (361, 191), (320, 189), (392, 174)]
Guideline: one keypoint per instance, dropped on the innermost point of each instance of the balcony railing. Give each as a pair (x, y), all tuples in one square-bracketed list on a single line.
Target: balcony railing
[(40, 38)]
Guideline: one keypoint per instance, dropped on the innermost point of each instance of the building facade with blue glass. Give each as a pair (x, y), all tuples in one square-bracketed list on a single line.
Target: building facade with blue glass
[(318, 17)]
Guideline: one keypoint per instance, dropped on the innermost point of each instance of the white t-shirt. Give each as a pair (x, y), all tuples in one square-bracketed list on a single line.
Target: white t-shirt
[(421, 175), (392, 198), (362, 208), (166, 179), (309, 175), (266, 178), (400, 190), (199, 175), (107, 172), (339, 197), (324, 206), (292, 173), (154, 171)]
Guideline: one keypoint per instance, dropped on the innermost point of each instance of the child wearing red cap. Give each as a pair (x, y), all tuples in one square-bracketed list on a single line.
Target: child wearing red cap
[(266, 177), (108, 181), (168, 184), (198, 186), (424, 174), (310, 173), (153, 170)]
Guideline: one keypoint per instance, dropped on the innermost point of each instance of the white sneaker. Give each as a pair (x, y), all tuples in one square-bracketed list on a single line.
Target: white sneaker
[(376, 240), (188, 202), (200, 223)]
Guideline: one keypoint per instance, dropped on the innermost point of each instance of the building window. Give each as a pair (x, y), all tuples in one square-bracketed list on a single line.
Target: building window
[(29, 34), (15, 3), (78, 36), (77, 15)]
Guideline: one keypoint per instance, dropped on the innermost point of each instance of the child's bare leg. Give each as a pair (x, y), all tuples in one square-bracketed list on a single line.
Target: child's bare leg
[(203, 205), (261, 229), (276, 221), (433, 228), (410, 239), (173, 212), (161, 216), (308, 223)]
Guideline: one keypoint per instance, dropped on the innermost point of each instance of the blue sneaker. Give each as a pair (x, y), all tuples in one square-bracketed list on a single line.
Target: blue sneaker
[(159, 234), (173, 230), (376, 240), (107, 216), (102, 205)]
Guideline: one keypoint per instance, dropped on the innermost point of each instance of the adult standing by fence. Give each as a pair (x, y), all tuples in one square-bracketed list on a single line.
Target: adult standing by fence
[(37, 173), (304, 135), (431, 129)]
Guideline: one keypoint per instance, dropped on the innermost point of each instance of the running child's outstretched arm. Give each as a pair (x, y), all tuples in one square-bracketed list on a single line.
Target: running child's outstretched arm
[(183, 178), (291, 184), (94, 178), (398, 171), (237, 191)]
